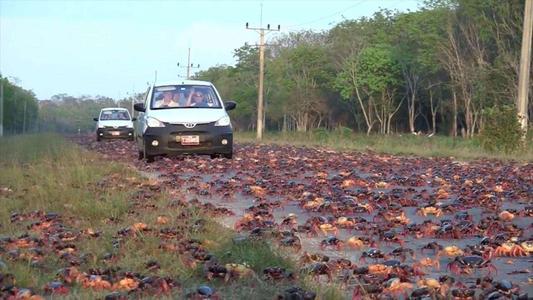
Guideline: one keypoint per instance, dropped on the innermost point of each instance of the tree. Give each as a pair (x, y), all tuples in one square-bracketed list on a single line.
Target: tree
[(416, 36), (433, 69), (21, 108), (307, 74), (238, 83), (373, 78), (68, 114)]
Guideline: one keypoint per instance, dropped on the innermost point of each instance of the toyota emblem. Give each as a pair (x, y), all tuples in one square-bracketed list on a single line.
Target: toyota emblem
[(189, 125)]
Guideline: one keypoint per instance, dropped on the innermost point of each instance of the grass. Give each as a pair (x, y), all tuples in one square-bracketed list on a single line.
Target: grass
[(50, 174), (407, 144)]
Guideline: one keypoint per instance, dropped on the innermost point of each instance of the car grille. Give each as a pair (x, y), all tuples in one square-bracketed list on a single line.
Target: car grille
[(198, 127), (202, 130)]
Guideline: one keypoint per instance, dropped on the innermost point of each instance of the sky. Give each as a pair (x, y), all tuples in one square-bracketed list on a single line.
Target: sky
[(114, 48)]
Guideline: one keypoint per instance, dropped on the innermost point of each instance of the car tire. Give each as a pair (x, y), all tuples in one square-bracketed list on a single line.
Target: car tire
[(140, 154), (98, 138), (213, 156), (149, 158), (228, 155)]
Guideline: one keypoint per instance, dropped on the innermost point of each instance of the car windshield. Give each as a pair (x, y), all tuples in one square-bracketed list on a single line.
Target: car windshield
[(108, 115), (184, 96)]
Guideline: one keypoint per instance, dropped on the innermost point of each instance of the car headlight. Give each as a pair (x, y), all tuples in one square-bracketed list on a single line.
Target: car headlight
[(224, 121), (153, 122), (129, 126)]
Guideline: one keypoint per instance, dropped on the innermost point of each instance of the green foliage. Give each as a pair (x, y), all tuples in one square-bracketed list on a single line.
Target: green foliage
[(308, 61), (328, 137), (345, 82), (467, 48), (237, 84), (21, 108), (344, 132), (321, 134), (378, 69), (501, 132), (59, 173), (68, 114)]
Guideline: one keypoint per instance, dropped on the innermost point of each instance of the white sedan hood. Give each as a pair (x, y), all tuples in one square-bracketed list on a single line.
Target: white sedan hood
[(188, 115)]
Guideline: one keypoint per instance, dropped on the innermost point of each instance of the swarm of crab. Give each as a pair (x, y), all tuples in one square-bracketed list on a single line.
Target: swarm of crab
[(383, 226)]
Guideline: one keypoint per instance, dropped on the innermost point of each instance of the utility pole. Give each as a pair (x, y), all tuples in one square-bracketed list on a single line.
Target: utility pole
[(24, 118), (132, 102), (525, 61), (189, 66), (260, 113), (1, 107)]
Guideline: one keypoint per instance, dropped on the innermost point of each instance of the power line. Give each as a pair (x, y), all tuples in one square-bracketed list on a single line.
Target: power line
[(328, 16)]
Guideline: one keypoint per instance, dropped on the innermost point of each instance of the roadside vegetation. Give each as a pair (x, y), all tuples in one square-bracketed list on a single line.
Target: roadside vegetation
[(406, 144), (447, 68), (438, 70), (63, 209)]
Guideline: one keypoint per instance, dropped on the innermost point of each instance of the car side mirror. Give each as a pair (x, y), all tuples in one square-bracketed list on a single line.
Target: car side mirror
[(139, 107), (229, 105), (134, 119), (95, 119)]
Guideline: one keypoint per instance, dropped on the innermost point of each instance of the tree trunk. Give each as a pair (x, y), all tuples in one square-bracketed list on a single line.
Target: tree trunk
[(454, 120), (369, 124), (433, 113), (468, 117), (411, 103)]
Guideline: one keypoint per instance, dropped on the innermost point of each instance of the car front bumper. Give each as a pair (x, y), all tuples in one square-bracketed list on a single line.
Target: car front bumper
[(115, 133), (212, 140)]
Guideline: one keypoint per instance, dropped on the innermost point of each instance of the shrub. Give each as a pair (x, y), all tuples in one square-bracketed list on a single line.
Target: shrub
[(344, 132), (501, 131), (321, 134)]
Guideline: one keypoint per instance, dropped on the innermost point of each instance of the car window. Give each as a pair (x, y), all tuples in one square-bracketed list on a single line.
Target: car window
[(184, 96), (108, 115)]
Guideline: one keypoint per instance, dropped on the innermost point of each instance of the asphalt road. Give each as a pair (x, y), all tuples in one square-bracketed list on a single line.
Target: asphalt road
[(397, 202)]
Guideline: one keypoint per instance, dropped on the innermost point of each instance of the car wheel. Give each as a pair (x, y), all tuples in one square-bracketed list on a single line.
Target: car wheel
[(140, 154), (213, 156), (228, 155), (149, 158), (98, 138)]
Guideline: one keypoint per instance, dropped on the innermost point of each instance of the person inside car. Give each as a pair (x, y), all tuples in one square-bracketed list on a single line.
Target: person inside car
[(196, 98), (167, 101), (123, 115)]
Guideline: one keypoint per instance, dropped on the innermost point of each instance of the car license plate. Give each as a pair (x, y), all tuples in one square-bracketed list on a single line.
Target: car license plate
[(115, 133), (190, 140)]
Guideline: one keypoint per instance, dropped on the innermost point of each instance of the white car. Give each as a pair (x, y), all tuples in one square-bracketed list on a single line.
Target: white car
[(114, 123), (184, 117)]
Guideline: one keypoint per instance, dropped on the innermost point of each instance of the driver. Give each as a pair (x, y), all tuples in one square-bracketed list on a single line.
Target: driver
[(196, 98)]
